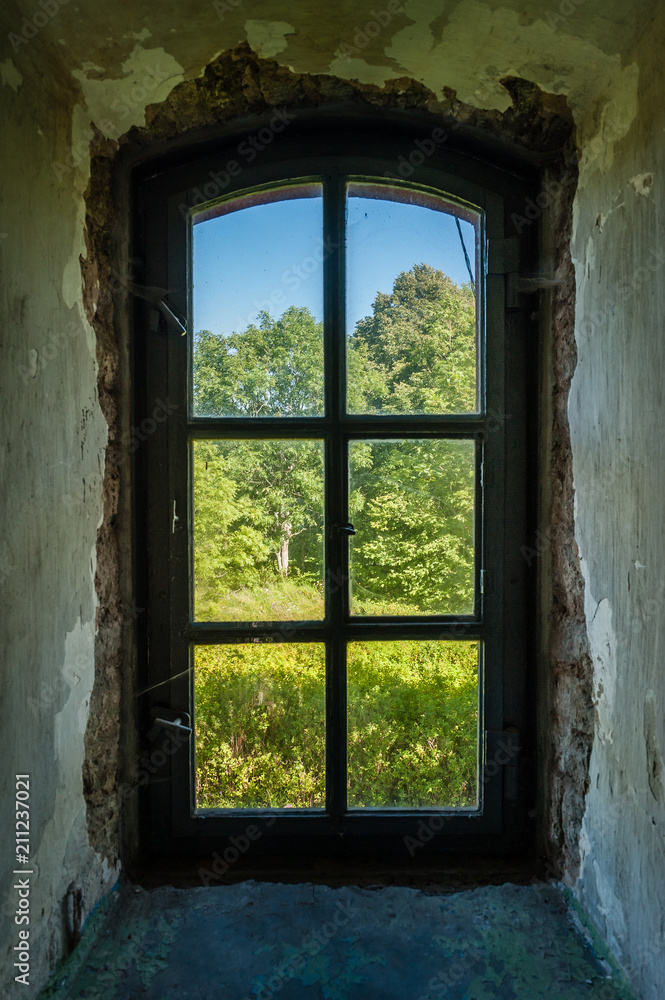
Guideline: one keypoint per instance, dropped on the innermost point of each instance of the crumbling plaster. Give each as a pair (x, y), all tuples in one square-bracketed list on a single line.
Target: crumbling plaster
[(616, 408), (107, 64), (51, 475)]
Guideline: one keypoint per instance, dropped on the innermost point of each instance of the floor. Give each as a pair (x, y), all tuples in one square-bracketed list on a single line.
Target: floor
[(257, 940)]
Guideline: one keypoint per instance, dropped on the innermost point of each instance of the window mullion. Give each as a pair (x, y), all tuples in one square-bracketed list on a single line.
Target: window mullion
[(336, 485)]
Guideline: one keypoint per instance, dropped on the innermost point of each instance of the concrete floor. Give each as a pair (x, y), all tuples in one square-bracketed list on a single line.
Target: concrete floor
[(255, 941)]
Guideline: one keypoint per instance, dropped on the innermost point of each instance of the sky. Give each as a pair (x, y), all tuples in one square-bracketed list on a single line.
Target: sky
[(270, 256)]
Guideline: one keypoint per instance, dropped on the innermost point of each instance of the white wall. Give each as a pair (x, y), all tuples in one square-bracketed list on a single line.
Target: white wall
[(616, 417), (51, 469)]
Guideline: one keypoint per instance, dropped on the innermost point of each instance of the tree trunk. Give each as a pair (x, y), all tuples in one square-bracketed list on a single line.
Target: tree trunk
[(283, 552)]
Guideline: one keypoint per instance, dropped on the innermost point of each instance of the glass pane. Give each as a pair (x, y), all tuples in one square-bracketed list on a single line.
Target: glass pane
[(258, 530), (412, 505), (413, 724), (257, 275), (411, 303), (260, 726)]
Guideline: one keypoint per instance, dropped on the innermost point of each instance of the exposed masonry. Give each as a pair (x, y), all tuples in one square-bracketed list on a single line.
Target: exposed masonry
[(239, 85), (571, 669)]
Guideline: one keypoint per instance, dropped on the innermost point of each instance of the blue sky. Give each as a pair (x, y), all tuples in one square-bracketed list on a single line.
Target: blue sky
[(270, 256)]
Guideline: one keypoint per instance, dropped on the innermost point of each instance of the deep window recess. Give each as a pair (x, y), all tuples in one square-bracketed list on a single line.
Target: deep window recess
[(335, 506)]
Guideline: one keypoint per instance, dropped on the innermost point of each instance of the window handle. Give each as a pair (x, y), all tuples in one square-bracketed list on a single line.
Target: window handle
[(346, 529), (175, 520), (176, 724)]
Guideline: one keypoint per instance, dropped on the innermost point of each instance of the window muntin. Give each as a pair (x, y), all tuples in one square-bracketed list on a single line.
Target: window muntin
[(259, 504), (496, 626)]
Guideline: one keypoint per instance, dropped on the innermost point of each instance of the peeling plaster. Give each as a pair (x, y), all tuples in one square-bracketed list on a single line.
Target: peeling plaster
[(534, 52), (652, 746), (66, 823), (603, 644), (642, 183), (9, 75), (115, 104), (267, 38), (358, 69), (599, 133)]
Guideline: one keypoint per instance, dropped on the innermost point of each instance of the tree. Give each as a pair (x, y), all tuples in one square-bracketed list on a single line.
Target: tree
[(412, 501), (421, 338), (273, 369), (412, 505)]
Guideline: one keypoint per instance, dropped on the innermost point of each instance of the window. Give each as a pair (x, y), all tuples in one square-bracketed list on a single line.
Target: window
[(335, 506)]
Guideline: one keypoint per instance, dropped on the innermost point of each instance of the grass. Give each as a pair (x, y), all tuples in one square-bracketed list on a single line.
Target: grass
[(278, 600)]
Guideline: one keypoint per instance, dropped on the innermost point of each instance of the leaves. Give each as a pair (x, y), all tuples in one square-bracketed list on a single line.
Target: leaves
[(258, 538), (273, 369)]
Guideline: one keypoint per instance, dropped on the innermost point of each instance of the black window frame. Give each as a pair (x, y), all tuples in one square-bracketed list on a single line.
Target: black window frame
[(164, 190)]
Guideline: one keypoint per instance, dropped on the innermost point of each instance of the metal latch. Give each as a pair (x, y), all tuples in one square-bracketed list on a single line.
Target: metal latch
[(172, 719)]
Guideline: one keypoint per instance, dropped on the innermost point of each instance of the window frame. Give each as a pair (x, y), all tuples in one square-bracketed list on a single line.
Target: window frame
[(502, 450)]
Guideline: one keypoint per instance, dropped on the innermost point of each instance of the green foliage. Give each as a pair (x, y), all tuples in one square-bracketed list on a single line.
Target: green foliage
[(251, 500), (221, 513), (421, 338), (412, 723), (260, 724), (258, 525), (273, 369), (412, 505)]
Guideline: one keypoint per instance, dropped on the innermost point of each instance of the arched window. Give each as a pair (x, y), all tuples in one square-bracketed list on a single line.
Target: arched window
[(336, 501)]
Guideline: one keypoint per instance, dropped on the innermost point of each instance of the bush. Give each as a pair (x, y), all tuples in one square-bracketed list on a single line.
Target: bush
[(260, 724)]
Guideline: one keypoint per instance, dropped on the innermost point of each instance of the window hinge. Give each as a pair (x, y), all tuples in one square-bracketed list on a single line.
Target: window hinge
[(503, 257), (502, 754), (157, 297)]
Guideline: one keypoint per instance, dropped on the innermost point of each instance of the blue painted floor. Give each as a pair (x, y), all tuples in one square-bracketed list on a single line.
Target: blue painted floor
[(257, 941)]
